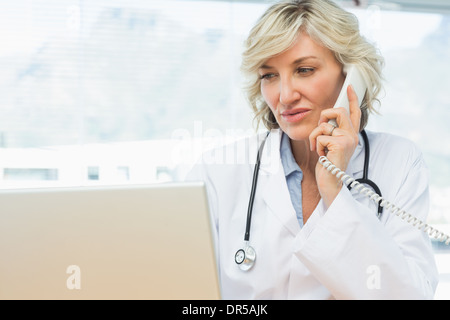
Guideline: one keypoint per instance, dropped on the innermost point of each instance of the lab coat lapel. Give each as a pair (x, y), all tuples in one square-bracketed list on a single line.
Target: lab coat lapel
[(273, 185)]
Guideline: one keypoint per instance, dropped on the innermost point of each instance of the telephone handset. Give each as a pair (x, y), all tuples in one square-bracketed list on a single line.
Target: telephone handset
[(355, 78)]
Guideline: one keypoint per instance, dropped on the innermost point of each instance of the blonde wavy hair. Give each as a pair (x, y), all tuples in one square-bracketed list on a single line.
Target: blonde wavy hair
[(327, 24)]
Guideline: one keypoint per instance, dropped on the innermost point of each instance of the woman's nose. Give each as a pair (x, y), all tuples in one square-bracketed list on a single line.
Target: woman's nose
[(288, 92)]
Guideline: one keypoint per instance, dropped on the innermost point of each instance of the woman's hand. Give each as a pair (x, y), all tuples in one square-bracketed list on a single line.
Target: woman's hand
[(337, 143)]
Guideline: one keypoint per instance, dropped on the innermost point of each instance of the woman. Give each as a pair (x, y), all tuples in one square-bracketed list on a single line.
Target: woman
[(313, 237)]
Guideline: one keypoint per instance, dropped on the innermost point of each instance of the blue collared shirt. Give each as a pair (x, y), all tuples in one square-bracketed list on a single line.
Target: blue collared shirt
[(294, 176)]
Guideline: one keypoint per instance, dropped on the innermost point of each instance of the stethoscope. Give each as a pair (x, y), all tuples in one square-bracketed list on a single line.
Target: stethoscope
[(245, 257)]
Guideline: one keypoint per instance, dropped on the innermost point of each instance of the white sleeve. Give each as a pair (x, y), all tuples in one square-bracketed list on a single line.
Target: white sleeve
[(356, 256)]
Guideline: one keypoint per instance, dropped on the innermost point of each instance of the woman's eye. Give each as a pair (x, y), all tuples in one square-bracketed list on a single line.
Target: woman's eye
[(267, 76), (305, 71)]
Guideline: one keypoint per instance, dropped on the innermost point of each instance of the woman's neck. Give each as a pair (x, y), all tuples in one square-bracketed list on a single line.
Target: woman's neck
[(305, 158)]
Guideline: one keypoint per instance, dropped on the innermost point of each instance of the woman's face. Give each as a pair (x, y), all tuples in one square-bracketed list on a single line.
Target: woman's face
[(299, 83)]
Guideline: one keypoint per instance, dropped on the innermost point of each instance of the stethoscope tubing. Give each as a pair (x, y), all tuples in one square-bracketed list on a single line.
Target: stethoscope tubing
[(253, 190), (365, 179)]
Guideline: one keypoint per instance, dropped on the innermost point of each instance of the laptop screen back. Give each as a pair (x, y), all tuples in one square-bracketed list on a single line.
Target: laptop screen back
[(116, 242)]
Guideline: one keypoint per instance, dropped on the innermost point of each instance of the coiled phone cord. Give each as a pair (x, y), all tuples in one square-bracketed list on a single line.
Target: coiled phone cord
[(345, 178)]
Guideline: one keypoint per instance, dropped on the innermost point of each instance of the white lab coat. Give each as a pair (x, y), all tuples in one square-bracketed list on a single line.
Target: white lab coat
[(343, 252)]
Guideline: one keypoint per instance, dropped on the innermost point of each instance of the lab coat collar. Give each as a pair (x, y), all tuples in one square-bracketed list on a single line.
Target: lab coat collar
[(356, 164), (271, 159)]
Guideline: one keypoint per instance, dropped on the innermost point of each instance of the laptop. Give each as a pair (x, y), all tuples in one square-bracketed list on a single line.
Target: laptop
[(107, 242)]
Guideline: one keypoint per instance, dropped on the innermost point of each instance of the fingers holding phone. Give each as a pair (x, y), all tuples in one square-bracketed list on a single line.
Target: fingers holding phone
[(328, 137), (337, 142)]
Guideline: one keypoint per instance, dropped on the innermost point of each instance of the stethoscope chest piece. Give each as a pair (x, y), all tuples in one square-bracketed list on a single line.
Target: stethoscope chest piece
[(245, 258)]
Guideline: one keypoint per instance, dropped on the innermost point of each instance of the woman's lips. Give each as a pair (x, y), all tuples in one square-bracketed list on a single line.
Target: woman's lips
[(294, 115)]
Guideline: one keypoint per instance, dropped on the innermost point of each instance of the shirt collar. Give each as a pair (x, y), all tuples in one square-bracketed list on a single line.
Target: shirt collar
[(287, 158)]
